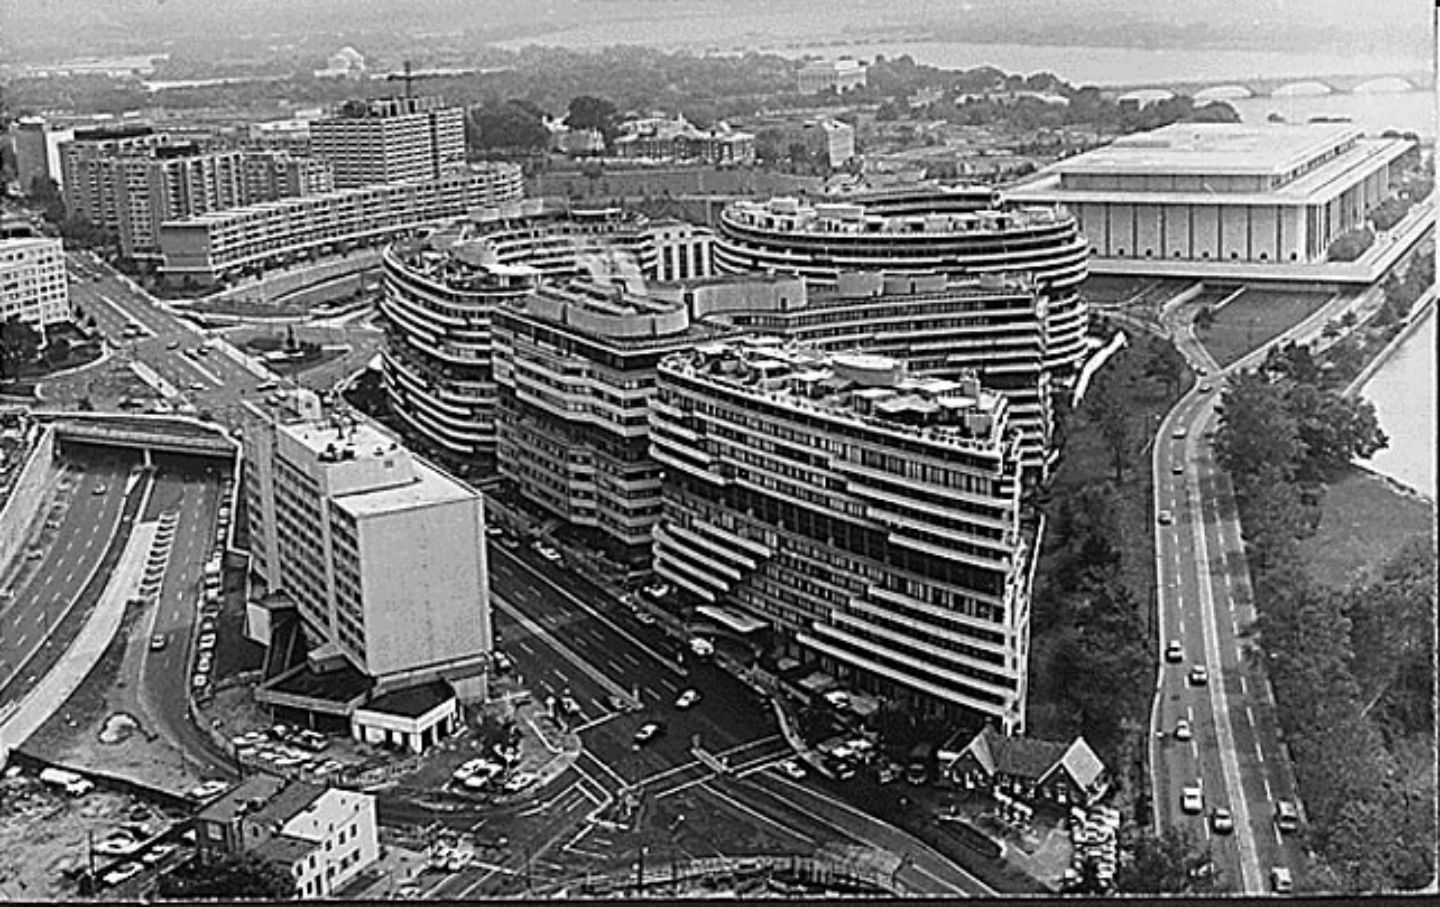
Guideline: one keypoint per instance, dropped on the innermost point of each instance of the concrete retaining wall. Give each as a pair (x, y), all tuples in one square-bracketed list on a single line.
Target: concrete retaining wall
[(274, 286), (26, 497)]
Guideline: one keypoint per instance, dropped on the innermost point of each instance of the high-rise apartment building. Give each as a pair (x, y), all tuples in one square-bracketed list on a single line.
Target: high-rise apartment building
[(271, 175), (382, 554), (33, 281), (871, 518), (87, 172), (384, 140), (575, 365), (37, 150), (441, 294)]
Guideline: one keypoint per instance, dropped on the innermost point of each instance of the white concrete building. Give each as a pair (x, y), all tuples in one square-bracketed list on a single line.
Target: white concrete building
[(384, 140), (33, 283), (823, 75), (1207, 194), (382, 554), (683, 251), (323, 837)]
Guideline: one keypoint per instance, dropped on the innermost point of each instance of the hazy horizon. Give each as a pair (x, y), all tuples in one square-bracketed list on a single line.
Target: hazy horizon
[(51, 28)]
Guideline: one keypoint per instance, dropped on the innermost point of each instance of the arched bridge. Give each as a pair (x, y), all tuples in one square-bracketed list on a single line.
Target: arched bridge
[(167, 434), (1289, 86)]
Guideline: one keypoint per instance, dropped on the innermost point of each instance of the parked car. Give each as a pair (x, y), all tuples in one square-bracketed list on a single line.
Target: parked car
[(207, 790), (503, 663), (687, 699), (122, 873), (647, 732), (157, 853), (519, 781), (793, 769)]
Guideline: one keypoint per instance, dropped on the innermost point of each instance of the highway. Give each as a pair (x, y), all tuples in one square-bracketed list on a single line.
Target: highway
[(74, 542), (1206, 604)]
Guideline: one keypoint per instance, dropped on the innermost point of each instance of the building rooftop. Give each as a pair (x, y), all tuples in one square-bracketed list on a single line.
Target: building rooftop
[(284, 850), (853, 218), (259, 787), (870, 389), (412, 702), (1213, 148)]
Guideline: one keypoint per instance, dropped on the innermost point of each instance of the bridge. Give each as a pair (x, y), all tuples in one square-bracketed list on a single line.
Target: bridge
[(166, 434), (1289, 86)]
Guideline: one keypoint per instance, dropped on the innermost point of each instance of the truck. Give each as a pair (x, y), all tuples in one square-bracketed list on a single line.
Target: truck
[(71, 783), (917, 768)]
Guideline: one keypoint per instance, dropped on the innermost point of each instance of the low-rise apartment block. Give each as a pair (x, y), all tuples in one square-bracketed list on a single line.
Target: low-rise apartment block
[(212, 248), (321, 837)]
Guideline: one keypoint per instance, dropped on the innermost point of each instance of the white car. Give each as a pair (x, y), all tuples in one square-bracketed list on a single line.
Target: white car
[(1192, 800), (1182, 730), (121, 873), (550, 554), (206, 641), (157, 853), (209, 789), (519, 781), (118, 845), (647, 732), (793, 769), (687, 699)]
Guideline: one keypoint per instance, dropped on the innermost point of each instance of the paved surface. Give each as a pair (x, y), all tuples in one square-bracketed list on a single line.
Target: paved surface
[(1206, 602), (73, 543)]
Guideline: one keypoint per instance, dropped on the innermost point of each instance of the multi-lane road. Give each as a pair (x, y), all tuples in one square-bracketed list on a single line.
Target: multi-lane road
[(61, 572), (1235, 754)]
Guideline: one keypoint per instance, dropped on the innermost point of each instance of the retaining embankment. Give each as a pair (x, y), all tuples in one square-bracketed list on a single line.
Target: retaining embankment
[(1417, 317)]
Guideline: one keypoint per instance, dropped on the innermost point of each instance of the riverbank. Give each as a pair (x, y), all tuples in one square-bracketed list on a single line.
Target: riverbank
[(1365, 518)]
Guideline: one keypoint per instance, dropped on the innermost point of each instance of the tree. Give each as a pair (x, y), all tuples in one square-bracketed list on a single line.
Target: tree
[(45, 192), (1204, 318), (234, 875), (1173, 862), (1107, 410), (1333, 429), (1255, 431), (1351, 244), (509, 126), (1165, 363), (587, 112), (19, 343)]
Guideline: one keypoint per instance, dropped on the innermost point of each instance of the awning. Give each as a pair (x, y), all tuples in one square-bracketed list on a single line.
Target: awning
[(738, 621)]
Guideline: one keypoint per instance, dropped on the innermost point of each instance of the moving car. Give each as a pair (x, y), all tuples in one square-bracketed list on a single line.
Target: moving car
[(647, 732), (1179, 434), (1199, 675), (1221, 822), (687, 699), (99, 488), (1165, 518), (1174, 651), (1287, 816), (1182, 729), (1178, 469), (1191, 799), (1281, 882), (158, 641)]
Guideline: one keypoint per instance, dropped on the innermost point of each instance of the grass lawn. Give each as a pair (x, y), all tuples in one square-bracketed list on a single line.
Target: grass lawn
[(1253, 319), (1365, 520)]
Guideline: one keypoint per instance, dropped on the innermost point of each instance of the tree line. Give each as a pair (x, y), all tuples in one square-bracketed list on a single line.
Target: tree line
[(1351, 668)]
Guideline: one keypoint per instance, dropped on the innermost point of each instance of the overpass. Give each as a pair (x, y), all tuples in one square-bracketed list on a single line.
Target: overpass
[(150, 434), (1287, 86)]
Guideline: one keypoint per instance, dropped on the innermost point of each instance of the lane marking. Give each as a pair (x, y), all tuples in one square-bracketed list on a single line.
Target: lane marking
[(1250, 718), (1258, 754)]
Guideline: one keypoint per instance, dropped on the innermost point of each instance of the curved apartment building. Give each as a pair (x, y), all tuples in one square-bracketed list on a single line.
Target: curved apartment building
[(441, 293), (957, 232), (871, 518)]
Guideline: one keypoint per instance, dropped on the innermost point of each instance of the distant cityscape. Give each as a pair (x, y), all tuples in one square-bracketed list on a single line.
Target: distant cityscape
[(653, 475)]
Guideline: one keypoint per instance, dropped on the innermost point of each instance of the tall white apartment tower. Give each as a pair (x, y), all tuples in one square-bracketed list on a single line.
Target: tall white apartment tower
[(382, 554), (385, 140)]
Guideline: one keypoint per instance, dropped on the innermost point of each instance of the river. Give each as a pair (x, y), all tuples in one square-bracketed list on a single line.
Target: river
[(1403, 391)]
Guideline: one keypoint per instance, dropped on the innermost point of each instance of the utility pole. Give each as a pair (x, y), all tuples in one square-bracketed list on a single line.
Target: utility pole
[(640, 872)]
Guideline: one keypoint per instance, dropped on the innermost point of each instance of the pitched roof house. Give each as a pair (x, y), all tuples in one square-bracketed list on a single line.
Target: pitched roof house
[(1063, 773)]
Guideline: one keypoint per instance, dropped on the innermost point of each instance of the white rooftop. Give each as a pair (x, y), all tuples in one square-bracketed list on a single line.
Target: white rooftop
[(1219, 148)]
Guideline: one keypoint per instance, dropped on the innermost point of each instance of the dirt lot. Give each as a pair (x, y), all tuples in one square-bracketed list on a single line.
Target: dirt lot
[(42, 835)]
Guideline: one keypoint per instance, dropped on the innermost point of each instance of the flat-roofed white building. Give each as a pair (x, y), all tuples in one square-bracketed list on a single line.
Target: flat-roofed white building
[(1212, 193), (822, 75)]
